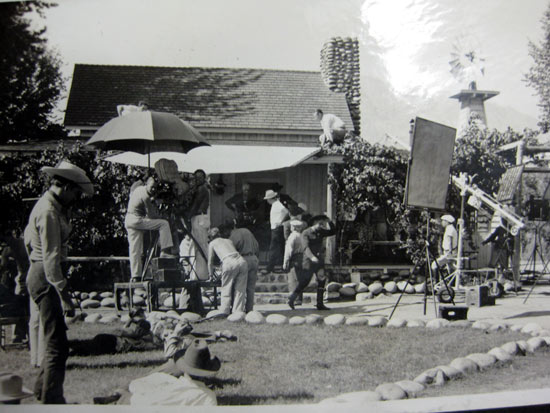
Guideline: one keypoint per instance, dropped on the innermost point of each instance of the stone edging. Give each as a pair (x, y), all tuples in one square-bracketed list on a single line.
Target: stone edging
[(404, 389)]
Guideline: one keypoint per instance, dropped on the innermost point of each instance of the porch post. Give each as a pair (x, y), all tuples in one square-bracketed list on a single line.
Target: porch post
[(331, 241)]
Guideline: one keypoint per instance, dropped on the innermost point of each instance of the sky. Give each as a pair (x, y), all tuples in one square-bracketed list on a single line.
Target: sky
[(405, 47)]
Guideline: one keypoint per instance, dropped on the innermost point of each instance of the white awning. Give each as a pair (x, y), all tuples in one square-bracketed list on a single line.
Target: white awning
[(224, 159)]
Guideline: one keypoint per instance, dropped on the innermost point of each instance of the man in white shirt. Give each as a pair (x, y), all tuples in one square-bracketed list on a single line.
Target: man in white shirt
[(449, 244), (278, 214), (334, 128)]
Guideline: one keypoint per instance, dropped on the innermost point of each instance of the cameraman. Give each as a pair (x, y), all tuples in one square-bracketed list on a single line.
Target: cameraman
[(142, 215)]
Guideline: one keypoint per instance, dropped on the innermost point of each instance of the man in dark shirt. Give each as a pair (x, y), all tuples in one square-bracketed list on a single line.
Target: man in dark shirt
[(321, 227), (200, 223), (244, 205)]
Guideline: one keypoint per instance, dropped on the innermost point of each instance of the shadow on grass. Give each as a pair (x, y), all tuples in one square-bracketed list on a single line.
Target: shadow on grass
[(529, 314), (238, 400), (216, 383), (86, 364)]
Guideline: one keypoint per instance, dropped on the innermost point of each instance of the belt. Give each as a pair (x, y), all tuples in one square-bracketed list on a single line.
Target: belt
[(247, 255), (232, 254)]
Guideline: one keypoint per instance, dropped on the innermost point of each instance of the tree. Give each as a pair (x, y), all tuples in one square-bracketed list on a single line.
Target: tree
[(539, 74), (30, 79)]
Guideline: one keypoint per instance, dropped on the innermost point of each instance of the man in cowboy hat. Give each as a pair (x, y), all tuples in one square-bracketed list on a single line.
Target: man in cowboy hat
[(46, 239), (277, 215), (320, 228), (298, 258), (12, 390), (234, 272), (449, 245)]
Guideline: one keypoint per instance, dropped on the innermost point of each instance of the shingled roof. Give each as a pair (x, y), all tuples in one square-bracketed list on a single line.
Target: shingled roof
[(214, 98)]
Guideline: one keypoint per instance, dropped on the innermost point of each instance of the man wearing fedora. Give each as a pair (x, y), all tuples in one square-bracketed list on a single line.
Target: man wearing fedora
[(449, 245), (46, 239), (320, 228), (12, 390), (277, 215)]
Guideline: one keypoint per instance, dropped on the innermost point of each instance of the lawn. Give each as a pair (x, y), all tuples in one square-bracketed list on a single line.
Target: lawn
[(303, 364)]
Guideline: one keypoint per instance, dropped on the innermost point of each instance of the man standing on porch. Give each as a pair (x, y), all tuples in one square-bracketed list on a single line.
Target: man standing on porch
[(278, 214)]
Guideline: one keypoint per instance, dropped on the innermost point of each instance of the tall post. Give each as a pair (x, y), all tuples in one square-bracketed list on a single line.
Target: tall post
[(331, 244)]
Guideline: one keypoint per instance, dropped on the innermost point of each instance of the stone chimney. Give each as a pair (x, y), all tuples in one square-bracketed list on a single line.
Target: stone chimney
[(340, 72)]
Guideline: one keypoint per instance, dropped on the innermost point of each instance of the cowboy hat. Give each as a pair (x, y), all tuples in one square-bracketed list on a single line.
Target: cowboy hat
[(11, 388), (71, 173), (276, 187), (448, 218), (197, 360), (269, 194)]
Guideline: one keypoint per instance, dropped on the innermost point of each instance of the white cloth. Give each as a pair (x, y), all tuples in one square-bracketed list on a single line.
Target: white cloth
[(234, 283), (165, 390), (278, 214), (450, 241)]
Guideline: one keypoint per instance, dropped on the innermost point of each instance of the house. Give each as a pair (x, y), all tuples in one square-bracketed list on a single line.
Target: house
[(267, 110)]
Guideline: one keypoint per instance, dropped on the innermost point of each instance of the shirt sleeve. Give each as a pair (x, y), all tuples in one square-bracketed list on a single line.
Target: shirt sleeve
[(50, 237)]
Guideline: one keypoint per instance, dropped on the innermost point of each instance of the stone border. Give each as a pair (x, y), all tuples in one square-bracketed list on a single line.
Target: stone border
[(436, 376)]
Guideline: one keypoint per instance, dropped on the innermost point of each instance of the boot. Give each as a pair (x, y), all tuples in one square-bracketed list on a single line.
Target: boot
[(291, 299), (320, 304)]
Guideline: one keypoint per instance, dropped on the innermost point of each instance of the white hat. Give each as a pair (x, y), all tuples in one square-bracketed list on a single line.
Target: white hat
[(269, 194), (295, 223), (11, 387), (448, 218), (72, 173)]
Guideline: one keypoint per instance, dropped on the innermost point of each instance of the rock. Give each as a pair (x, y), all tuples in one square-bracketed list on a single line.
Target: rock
[(500, 354), (236, 316), (396, 323), (347, 292), (93, 294), (92, 318), (391, 391), (437, 323), (481, 325), (547, 339), (106, 294), (377, 321), (173, 314), (401, 285), (420, 288), (124, 318), (509, 287), (169, 302), (335, 320), (530, 328), (409, 289), (416, 323), (423, 379), (535, 343), (107, 319), (464, 365), (215, 314), (483, 360), (362, 288), (390, 287), (516, 327), (276, 319), (461, 324), (332, 295), (363, 296), (254, 317), (511, 348), (108, 302), (90, 303), (541, 333), (350, 285), (297, 320), (356, 321), (450, 372), (190, 316), (333, 287), (164, 295), (313, 318), (522, 345), (412, 388), (440, 378), (84, 296), (376, 287)]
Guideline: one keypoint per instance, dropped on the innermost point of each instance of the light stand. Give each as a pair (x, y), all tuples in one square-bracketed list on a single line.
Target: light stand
[(533, 261)]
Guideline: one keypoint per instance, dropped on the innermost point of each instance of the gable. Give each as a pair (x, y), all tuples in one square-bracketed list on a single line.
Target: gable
[(208, 98)]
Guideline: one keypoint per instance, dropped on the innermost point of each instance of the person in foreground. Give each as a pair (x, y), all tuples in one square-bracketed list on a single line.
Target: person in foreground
[(46, 240)]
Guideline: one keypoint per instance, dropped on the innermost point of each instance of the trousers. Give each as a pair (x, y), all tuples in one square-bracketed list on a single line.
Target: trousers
[(233, 291), (252, 276), (48, 387), (136, 226), (276, 248)]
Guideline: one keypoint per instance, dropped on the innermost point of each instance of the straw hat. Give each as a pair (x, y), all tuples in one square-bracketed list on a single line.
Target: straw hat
[(72, 173), (197, 360), (11, 388), (448, 218), (269, 194)]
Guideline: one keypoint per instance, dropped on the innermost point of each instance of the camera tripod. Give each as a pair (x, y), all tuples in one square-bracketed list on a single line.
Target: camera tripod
[(533, 261)]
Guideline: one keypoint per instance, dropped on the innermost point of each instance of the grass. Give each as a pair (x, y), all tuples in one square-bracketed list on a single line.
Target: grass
[(303, 364)]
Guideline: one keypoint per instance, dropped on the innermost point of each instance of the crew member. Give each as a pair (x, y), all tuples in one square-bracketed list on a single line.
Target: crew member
[(449, 245)]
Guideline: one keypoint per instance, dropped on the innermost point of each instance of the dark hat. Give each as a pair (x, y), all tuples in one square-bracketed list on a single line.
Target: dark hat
[(317, 218), (295, 210), (276, 187), (197, 360)]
